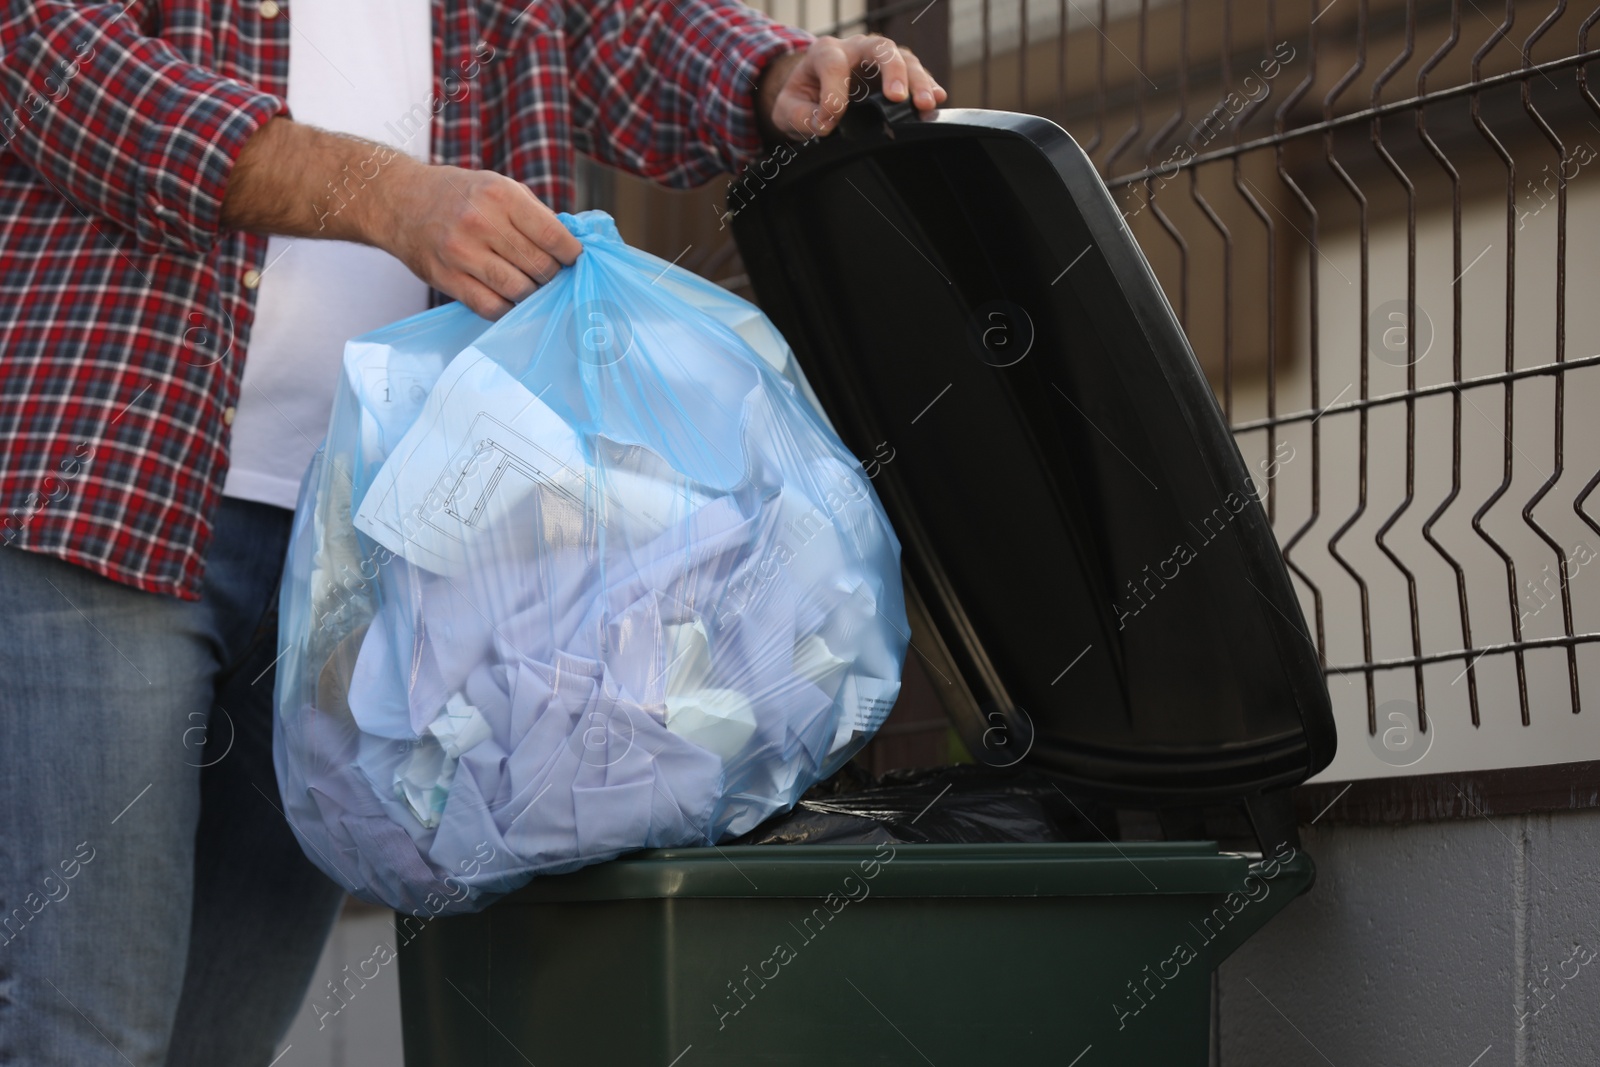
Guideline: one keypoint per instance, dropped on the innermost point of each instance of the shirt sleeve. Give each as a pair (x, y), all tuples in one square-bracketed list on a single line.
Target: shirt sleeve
[(666, 88), (119, 123)]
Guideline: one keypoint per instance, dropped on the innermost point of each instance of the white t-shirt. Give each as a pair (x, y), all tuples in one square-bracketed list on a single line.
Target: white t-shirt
[(359, 67)]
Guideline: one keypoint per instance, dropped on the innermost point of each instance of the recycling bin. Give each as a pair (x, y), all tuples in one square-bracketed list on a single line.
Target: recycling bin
[(846, 954), (1096, 591)]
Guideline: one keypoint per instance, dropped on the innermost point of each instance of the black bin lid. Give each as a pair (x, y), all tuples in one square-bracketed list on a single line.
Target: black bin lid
[(1088, 566)]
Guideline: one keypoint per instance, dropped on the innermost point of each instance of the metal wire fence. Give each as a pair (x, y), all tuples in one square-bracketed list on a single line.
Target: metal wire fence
[(1394, 185), (1376, 220)]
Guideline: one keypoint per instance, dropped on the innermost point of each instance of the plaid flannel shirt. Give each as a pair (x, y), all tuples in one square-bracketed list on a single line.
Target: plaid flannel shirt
[(125, 310)]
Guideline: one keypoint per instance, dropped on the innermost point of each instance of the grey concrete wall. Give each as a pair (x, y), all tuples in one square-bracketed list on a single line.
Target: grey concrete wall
[(1426, 944), (1419, 946)]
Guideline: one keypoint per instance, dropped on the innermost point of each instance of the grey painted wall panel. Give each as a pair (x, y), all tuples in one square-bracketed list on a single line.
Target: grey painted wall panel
[(1421, 944)]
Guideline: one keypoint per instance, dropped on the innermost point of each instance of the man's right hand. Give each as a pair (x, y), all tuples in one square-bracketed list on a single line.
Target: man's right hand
[(477, 236), (481, 237)]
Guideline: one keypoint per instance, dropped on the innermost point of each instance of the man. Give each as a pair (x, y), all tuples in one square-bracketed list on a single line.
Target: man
[(162, 213)]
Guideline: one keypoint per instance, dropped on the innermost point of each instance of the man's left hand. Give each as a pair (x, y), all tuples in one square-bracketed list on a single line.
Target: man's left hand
[(802, 94)]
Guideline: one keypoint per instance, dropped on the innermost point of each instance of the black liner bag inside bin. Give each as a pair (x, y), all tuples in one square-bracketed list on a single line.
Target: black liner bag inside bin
[(963, 804)]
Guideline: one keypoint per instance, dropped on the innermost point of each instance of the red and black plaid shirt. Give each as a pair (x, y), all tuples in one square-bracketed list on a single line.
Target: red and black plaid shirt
[(125, 311)]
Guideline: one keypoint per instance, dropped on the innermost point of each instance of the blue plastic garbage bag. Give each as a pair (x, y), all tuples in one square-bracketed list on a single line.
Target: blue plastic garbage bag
[(594, 578)]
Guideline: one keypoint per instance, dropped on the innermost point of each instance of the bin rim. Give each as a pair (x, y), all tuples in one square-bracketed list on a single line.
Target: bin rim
[(1045, 869)]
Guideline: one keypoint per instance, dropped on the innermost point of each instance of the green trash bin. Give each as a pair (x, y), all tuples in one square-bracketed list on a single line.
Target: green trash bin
[(846, 955), (1095, 585)]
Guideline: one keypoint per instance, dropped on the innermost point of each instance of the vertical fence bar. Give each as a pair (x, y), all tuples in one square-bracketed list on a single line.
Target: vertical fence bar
[(1061, 54), (1099, 84), (1362, 415), (1559, 422), (1589, 98), (1022, 55), (1383, 153), (983, 93), (1457, 341), (1137, 128), (923, 27), (1280, 120), (1153, 149), (1210, 213), (1508, 424)]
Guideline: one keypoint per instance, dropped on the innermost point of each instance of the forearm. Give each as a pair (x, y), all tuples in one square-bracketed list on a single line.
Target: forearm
[(301, 181), (479, 236)]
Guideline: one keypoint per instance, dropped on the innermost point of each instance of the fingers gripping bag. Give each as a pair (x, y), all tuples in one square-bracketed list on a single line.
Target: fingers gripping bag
[(594, 578)]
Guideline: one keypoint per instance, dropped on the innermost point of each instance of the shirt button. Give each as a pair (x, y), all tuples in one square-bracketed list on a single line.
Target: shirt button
[(252, 278), (269, 9), (227, 415)]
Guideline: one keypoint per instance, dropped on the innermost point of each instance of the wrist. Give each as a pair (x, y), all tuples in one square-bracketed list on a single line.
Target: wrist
[(369, 213), (769, 84)]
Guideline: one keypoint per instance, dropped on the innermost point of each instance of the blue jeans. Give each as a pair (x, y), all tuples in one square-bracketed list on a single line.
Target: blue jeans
[(154, 906)]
